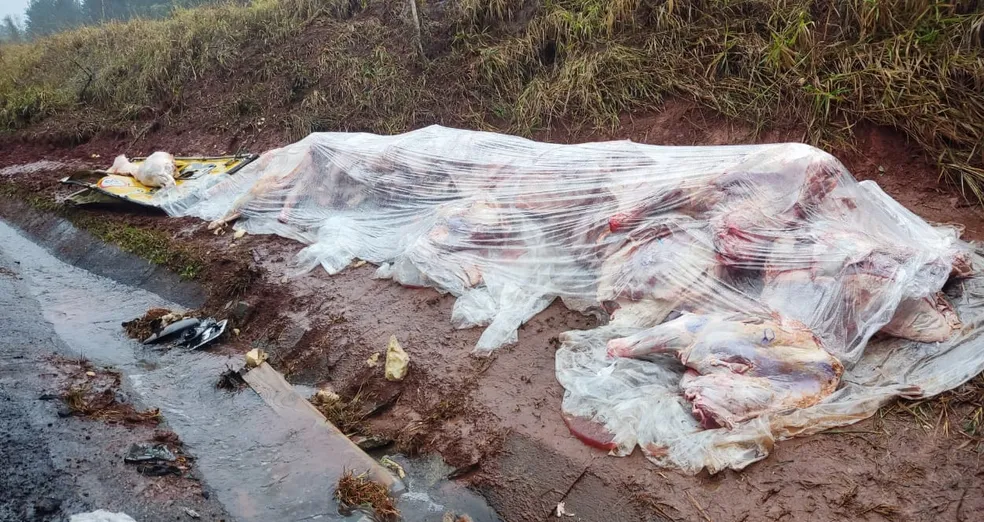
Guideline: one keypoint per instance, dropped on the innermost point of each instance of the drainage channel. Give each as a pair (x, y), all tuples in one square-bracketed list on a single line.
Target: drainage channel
[(259, 468)]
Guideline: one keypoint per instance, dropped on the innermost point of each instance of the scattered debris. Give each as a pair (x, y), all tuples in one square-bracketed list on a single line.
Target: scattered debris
[(371, 442), (154, 460), (359, 492), (359, 263), (231, 380), (373, 360), (206, 332), (326, 396), (172, 330), (157, 170), (450, 516), (142, 327), (90, 374), (393, 466), (145, 452), (397, 361), (101, 515), (239, 234), (103, 405), (167, 437), (255, 357), (562, 511), (346, 415), (192, 513)]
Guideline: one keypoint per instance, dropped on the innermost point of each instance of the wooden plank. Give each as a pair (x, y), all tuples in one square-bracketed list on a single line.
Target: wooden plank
[(338, 450)]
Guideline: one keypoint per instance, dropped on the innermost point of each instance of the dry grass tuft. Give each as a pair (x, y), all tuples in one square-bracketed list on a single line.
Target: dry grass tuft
[(91, 392), (141, 327), (359, 492), (956, 412), (82, 401), (348, 416)]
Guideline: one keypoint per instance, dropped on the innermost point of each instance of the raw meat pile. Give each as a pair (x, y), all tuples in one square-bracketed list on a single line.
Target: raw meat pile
[(739, 288)]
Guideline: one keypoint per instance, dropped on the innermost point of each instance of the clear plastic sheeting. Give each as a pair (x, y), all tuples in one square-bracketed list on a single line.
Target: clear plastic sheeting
[(739, 287)]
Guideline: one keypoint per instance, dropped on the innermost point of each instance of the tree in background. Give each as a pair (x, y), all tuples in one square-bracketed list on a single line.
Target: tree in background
[(10, 30), (45, 17), (97, 11)]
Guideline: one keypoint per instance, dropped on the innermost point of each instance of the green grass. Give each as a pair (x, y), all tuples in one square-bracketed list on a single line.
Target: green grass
[(521, 65), (155, 246)]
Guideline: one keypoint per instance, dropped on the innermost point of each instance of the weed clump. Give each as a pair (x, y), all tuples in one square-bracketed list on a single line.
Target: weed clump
[(360, 492), (104, 406), (347, 415), (141, 327), (956, 412)]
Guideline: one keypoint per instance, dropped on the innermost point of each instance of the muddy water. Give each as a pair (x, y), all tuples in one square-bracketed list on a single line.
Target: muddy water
[(36, 167), (260, 469)]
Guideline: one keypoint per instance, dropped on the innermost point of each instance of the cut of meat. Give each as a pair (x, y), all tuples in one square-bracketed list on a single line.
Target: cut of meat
[(927, 320), (590, 432), (740, 369)]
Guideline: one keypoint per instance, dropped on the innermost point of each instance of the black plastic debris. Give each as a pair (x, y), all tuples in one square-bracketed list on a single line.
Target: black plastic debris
[(192, 333), (172, 330), (206, 332)]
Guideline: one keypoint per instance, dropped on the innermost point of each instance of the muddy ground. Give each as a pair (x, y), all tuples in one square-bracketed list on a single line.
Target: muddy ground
[(498, 419)]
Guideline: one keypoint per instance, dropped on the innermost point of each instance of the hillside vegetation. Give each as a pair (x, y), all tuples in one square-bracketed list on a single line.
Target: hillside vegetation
[(518, 65)]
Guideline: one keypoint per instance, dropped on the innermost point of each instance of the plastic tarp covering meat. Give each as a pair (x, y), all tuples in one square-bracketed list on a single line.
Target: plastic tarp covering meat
[(739, 288)]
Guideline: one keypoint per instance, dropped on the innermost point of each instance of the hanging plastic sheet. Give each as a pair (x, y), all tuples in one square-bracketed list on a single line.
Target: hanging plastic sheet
[(740, 288)]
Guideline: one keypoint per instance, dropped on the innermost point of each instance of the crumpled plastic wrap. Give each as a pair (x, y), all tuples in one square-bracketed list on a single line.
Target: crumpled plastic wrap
[(740, 288)]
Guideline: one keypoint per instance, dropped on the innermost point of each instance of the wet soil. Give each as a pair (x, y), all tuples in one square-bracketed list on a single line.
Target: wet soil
[(497, 420)]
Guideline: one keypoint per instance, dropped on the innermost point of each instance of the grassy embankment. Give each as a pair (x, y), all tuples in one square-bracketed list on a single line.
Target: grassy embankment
[(515, 65)]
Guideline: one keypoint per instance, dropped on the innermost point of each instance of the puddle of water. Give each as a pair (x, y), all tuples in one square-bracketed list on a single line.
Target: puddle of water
[(429, 494), (259, 468)]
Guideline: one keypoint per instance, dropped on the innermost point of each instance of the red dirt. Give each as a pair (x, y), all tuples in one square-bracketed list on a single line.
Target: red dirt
[(469, 408)]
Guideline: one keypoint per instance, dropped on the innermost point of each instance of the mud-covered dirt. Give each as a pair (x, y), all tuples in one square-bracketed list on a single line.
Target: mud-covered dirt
[(497, 420)]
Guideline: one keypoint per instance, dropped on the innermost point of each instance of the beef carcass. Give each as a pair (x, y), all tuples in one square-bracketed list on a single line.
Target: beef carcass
[(464, 238), (651, 275), (739, 369), (927, 320), (299, 184)]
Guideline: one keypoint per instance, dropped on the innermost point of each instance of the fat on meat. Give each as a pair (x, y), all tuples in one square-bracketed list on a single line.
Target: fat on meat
[(739, 368)]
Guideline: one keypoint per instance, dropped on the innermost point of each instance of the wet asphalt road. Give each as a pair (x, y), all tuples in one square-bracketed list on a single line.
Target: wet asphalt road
[(258, 468), (53, 467)]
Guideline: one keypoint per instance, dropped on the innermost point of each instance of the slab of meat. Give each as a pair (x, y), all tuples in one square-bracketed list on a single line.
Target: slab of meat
[(650, 276), (739, 369), (927, 320)]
